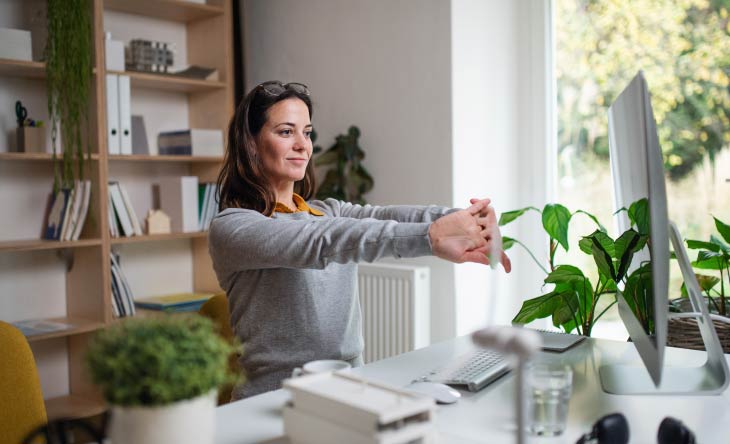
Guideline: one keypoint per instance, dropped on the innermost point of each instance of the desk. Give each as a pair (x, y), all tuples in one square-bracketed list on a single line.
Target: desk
[(488, 415)]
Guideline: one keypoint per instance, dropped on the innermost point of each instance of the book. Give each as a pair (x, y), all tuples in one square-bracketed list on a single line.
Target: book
[(558, 341), (136, 227), (178, 302), (139, 136), (83, 211), (125, 220), (197, 72), (191, 142), (56, 215), (34, 327)]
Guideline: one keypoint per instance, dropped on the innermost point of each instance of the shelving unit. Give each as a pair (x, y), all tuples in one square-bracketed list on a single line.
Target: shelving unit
[(85, 263)]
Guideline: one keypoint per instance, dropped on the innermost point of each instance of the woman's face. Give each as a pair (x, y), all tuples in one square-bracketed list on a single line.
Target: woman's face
[(284, 143)]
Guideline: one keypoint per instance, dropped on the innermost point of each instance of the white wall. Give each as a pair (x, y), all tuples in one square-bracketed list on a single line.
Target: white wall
[(450, 100), (381, 65)]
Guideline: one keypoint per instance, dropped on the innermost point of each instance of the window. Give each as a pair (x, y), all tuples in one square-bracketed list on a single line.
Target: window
[(682, 47)]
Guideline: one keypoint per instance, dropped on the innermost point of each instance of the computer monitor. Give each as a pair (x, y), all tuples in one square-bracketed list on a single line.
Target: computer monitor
[(637, 169)]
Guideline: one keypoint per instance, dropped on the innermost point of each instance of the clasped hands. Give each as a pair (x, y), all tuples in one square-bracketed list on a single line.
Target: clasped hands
[(469, 235)]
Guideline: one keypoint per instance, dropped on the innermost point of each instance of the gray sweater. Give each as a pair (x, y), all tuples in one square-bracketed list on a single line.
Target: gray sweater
[(291, 279)]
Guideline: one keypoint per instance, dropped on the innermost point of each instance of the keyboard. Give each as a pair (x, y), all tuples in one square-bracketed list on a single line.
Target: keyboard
[(475, 370)]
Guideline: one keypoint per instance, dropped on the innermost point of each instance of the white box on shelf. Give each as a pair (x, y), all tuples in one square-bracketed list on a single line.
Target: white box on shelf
[(114, 53), (15, 44), (179, 200)]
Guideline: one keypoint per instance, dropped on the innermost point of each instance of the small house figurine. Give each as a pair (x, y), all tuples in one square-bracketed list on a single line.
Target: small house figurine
[(158, 222)]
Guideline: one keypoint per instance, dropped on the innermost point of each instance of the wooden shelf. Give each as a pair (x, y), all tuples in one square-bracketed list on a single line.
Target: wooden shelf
[(157, 237), (41, 244), (22, 68), (74, 406), (165, 82), (34, 156), (79, 326), (175, 10), (164, 158)]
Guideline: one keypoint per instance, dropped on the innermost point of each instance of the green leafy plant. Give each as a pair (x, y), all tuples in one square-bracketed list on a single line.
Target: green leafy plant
[(713, 255), (68, 57), (572, 303), (346, 178), (152, 362)]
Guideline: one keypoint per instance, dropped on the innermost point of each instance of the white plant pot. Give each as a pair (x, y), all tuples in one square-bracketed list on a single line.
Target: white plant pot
[(185, 422)]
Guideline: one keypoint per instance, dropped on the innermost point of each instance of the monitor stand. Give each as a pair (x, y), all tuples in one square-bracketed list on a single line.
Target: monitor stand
[(709, 379)]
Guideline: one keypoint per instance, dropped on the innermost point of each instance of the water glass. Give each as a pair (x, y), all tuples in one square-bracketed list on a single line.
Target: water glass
[(548, 388)]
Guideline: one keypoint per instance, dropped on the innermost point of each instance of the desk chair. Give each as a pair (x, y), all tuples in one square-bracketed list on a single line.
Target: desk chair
[(216, 308), (21, 400)]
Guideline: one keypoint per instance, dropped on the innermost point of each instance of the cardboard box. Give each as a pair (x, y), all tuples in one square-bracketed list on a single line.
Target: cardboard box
[(15, 44), (31, 139)]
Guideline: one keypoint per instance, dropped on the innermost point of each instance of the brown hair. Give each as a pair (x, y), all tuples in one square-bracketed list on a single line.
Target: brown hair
[(242, 182)]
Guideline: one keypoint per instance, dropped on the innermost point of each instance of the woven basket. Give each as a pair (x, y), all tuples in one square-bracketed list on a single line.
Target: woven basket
[(685, 333)]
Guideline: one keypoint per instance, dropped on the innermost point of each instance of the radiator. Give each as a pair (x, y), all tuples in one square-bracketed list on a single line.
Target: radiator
[(396, 308)]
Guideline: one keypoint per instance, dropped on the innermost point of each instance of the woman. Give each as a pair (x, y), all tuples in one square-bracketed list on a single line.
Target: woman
[(289, 265)]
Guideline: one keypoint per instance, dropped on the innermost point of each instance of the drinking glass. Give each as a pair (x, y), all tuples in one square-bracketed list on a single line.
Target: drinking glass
[(548, 388)]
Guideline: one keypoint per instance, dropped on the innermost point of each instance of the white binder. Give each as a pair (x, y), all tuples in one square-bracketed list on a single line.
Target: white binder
[(125, 115), (112, 114)]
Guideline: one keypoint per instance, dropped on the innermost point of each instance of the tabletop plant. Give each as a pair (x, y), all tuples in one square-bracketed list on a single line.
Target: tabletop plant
[(572, 303), (68, 57), (346, 178), (159, 361), (713, 255)]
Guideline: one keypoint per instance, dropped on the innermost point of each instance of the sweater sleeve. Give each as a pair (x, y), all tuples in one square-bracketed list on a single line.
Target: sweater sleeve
[(244, 239), (399, 213)]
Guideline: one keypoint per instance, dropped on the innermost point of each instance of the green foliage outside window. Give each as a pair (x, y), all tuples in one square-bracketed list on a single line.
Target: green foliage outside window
[(682, 47)]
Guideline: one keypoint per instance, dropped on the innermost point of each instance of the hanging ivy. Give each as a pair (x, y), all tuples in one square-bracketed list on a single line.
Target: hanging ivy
[(68, 78)]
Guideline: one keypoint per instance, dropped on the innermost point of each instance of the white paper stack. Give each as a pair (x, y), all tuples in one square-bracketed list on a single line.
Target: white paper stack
[(329, 408)]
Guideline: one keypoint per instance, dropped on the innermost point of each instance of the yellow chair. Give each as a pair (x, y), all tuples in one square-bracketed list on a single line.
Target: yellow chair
[(216, 308), (21, 400)]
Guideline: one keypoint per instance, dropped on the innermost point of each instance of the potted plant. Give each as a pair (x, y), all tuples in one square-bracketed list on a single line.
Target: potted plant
[(572, 302), (713, 256), (346, 179), (160, 376)]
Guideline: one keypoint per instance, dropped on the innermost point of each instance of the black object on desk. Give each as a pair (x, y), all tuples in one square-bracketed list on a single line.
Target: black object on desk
[(610, 429)]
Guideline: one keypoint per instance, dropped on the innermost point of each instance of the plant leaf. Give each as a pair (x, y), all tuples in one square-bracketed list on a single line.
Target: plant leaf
[(714, 240), (509, 216), (639, 215), (594, 218), (697, 245), (603, 260), (585, 244), (507, 243), (723, 229), (537, 308), (565, 274), (555, 220), (328, 157), (709, 260), (625, 247)]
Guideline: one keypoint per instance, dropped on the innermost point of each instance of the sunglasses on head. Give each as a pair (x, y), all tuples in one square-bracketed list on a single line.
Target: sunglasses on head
[(275, 88)]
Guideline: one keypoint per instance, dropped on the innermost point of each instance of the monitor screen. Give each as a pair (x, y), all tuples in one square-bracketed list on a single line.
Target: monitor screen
[(637, 171)]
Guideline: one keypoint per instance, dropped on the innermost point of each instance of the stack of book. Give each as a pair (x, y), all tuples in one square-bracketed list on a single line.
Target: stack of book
[(122, 299), (176, 303), (207, 204), (66, 212), (191, 142), (122, 218)]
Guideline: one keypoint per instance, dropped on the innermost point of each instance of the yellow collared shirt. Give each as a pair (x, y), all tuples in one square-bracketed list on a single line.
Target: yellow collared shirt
[(301, 206)]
